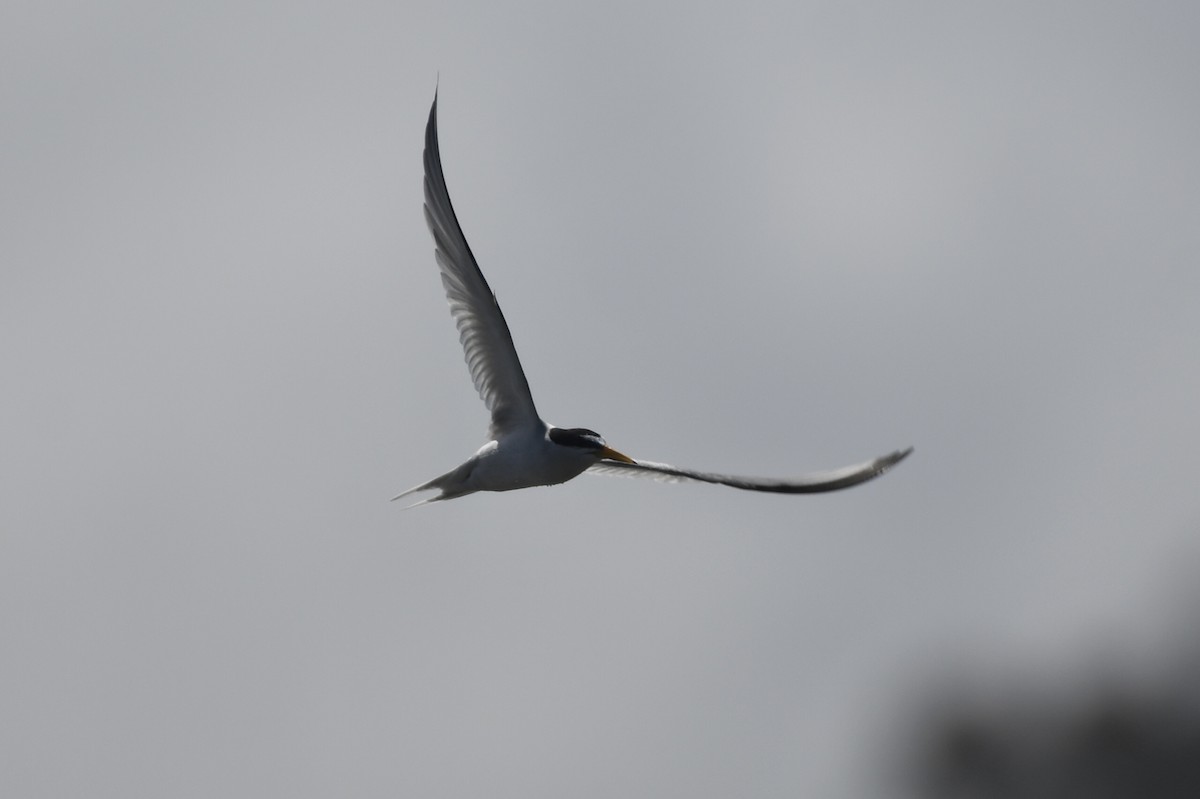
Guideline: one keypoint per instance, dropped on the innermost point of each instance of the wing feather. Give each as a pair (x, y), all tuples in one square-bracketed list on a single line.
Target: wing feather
[(814, 483), (487, 343)]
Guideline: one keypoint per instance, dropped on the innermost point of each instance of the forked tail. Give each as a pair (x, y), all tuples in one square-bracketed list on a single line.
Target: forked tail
[(423, 487), (450, 484)]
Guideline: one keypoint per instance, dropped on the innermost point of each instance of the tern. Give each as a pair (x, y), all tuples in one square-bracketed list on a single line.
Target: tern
[(524, 451)]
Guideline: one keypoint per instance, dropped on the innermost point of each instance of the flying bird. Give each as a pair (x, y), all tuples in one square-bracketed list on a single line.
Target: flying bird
[(523, 450)]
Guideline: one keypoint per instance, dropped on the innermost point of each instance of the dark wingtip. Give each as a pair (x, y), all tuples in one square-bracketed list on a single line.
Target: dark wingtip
[(888, 461), (431, 131)]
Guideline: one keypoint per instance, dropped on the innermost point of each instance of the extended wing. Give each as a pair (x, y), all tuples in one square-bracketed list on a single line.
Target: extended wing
[(487, 343), (806, 484)]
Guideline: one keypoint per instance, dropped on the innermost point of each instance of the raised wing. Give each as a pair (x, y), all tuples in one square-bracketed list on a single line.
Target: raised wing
[(806, 484), (487, 343)]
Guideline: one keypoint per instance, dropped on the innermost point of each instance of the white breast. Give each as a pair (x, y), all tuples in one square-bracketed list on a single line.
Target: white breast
[(524, 459)]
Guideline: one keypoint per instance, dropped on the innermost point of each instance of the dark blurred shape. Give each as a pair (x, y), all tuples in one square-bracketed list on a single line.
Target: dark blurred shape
[(1117, 741)]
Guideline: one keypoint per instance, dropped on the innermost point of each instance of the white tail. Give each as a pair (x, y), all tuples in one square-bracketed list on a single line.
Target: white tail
[(423, 487), (454, 478), (412, 490)]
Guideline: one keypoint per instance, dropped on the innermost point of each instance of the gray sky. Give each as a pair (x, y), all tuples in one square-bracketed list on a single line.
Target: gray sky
[(766, 240)]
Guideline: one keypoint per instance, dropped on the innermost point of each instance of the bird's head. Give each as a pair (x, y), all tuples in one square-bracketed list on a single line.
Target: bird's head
[(587, 440)]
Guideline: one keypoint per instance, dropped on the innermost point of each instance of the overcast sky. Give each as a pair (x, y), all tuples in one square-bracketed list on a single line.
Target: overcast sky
[(768, 239)]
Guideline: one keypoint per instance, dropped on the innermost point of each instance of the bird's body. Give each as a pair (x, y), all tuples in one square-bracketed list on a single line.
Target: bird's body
[(517, 459), (524, 451)]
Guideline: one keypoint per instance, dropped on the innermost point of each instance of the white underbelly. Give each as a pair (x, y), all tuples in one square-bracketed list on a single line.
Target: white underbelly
[(525, 462)]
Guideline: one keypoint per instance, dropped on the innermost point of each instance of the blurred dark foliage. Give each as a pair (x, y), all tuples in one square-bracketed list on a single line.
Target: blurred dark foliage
[(1119, 739)]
